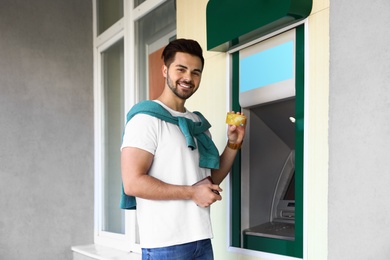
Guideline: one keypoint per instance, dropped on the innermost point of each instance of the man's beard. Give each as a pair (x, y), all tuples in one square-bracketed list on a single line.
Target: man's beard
[(175, 90)]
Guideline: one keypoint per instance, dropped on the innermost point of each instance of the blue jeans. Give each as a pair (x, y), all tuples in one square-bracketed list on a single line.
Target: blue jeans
[(199, 250)]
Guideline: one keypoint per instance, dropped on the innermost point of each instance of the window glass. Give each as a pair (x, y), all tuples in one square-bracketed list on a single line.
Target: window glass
[(108, 12), (113, 91), (138, 2), (149, 30)]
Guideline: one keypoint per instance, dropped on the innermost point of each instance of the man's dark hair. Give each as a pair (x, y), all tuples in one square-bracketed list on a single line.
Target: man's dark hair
[(181, 45)]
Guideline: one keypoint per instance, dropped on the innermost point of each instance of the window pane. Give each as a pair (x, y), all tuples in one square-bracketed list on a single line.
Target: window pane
[(109, 12), (138, 2), (150, 30), (113, 91)]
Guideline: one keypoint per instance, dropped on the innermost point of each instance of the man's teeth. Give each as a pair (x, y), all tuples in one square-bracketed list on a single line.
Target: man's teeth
[(185, 85)]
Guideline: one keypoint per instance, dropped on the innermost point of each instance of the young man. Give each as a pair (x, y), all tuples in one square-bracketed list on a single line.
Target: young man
[(165, 150)]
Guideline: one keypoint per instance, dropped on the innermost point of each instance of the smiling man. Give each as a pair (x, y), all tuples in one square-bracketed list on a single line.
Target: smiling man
[(165, 150)]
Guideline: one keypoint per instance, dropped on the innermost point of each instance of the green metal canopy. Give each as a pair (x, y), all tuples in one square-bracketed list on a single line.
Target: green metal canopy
[(232, 22)]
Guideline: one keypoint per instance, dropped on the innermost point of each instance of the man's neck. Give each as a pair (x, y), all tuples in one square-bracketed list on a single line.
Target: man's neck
[(174, 103)]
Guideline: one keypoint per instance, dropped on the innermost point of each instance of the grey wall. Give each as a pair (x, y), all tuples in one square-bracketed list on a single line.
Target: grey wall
[(359, 130), (46, 128)]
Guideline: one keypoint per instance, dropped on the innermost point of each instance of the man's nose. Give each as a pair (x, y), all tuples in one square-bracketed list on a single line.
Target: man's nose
[(187, 76)]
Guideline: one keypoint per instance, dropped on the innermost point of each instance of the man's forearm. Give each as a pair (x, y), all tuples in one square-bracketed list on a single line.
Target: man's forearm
[(148, 187), (225, 165)]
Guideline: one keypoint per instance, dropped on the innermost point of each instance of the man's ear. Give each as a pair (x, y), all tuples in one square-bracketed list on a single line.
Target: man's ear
[(164, 71)]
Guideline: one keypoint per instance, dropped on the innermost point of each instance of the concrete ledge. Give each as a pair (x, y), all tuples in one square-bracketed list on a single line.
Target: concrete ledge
[(89, 252)]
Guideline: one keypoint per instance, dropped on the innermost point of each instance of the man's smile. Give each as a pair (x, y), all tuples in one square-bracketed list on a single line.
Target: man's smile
[(185, 85)]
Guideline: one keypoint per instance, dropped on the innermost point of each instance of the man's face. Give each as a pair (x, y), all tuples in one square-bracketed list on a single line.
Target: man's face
[(183, 75)]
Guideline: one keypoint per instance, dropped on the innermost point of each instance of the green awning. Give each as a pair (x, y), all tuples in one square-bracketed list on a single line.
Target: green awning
[(232, 22)]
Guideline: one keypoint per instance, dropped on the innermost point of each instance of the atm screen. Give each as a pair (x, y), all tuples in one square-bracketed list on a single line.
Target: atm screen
[(290, 192), (267, 70)]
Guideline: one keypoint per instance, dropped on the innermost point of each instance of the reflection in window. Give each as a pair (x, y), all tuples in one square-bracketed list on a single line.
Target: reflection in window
[(148, 30), (138, 2), (112, 90), (109, 12)]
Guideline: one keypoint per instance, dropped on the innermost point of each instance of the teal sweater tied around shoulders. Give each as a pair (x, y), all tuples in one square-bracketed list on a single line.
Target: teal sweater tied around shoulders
[(208, 152)]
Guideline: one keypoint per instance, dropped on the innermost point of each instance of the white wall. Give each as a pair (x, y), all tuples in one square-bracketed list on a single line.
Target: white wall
[(359, 130), (46, 128)]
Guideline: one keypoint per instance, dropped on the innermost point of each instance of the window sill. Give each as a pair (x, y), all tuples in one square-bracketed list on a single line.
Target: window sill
[(104, 253)]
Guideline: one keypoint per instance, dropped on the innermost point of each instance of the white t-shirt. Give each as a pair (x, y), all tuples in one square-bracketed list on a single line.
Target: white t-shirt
[(162, 222)]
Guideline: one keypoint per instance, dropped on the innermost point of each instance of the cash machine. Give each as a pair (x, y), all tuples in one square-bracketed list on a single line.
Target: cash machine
[(265, 41), (270, 178), (267, 95)]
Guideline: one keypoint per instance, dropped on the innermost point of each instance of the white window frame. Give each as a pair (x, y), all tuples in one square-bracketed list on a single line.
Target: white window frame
[(122, 29)]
